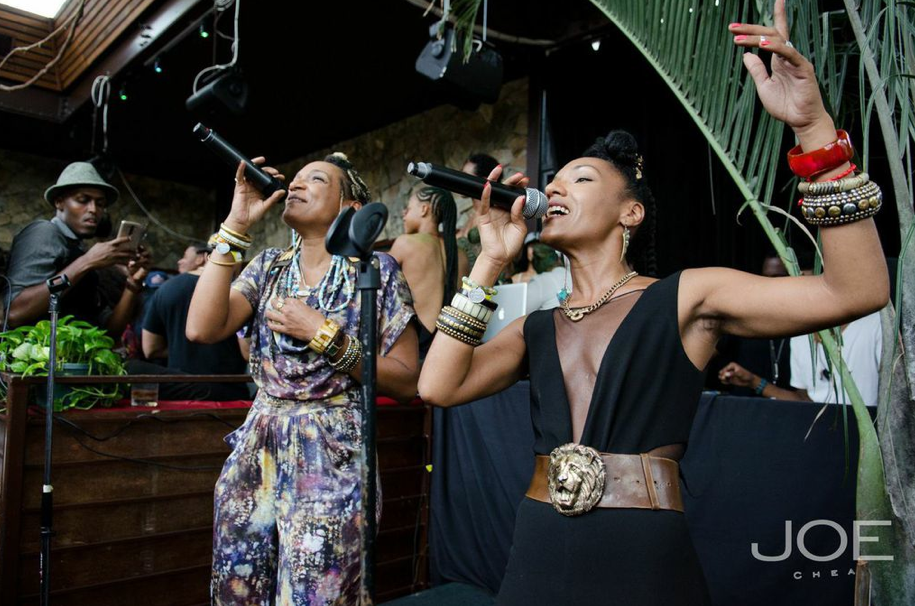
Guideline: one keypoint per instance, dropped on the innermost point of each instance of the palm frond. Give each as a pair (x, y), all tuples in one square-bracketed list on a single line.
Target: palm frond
[(688, 44)]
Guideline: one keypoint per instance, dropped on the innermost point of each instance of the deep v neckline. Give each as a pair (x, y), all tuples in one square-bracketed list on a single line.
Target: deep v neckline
[(601, 370)]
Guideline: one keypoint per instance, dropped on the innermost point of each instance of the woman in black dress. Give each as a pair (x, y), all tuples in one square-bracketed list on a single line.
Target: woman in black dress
[(616, 372)]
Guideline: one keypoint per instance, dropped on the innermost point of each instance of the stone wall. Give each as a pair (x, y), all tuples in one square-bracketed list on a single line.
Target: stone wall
[(184, 209), (444, 135)]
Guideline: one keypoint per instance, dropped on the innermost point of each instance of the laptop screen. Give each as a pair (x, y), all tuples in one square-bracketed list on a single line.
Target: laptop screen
[(512, 302)]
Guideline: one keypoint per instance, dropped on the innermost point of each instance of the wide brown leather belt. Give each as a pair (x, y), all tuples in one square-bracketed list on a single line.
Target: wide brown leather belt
[(570, 479)]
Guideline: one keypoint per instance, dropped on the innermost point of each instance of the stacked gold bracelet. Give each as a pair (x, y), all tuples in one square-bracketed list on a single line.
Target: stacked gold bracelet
[(351, 356), (829, 203), (241, 242), (461, 326), (478, 311), (326, 340)]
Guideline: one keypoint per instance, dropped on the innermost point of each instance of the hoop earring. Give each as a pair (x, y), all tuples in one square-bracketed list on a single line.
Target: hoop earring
[(626, 237)]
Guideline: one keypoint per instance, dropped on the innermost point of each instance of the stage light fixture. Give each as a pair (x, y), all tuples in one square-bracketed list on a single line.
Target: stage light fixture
[(595, 45), (228, 90), (203, 31), (478, 80), (157, 66)]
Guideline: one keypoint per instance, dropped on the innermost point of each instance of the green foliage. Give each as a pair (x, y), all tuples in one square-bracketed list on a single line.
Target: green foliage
[(26, 350), (688, 43)]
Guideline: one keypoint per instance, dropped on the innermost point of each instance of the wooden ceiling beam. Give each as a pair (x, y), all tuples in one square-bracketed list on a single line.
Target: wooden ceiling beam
[(141, 41)]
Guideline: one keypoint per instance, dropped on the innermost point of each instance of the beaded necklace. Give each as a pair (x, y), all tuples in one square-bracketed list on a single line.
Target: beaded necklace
[(336, 278)]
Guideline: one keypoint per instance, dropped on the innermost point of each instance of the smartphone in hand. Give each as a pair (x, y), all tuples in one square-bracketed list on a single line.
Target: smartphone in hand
[(133, 230)]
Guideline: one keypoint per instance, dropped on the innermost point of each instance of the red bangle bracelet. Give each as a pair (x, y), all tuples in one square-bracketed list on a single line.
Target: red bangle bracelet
[(825, 159)]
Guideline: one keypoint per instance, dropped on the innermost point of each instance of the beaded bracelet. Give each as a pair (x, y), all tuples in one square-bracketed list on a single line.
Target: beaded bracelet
[(462, 328), (476, 292), (463, 318), (817, 188), (843, 207), (454, 334), (351, 356)]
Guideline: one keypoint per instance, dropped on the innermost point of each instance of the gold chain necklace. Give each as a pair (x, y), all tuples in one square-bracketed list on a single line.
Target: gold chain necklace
[(580, 312)]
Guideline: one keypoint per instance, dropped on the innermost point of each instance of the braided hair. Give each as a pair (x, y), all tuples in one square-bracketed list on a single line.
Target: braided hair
[(444, 211), (620, 149), (353, 187)]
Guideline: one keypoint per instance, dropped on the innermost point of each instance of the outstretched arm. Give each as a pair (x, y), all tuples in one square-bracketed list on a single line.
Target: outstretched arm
[(854, 282)]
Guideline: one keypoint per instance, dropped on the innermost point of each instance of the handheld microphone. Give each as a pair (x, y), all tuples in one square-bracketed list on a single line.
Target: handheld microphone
[(502, 196), (263, 181)]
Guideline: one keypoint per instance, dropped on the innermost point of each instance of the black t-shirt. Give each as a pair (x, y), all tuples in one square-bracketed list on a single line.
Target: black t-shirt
[(166, 315)]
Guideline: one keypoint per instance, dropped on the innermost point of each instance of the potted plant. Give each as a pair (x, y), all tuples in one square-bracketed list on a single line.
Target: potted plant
[(82, 349)]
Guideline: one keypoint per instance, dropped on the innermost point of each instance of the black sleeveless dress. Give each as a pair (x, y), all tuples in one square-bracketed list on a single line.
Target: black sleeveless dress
[(645, 395)]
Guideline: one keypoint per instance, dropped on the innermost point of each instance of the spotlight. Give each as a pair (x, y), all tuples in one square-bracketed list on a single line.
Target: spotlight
[(595, 45), (468, 84), (203, 31), (123, 93), (227, 90), (157, 67)]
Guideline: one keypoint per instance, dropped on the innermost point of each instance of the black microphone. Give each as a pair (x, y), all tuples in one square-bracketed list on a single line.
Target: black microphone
[(502, 196), (263, 181)]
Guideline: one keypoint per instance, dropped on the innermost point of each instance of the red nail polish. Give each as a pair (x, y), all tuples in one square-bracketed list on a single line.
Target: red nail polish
[(740, 38), (735, 25), (765, 43)]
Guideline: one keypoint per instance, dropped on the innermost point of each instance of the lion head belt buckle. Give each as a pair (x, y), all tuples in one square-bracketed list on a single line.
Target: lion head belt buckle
[(575, 478)]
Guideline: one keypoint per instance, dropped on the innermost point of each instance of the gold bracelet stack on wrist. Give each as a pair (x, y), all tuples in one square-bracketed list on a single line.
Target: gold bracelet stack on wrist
[(829, 203), (461, 326), (233, 238), (326, 340), (479, 311), (351, 356)]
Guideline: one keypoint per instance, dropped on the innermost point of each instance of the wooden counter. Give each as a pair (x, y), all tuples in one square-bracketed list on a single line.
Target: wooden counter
[(133, 500)]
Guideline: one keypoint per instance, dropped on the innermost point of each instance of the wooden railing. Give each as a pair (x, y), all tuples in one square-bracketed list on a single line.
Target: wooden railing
[(133, 506)]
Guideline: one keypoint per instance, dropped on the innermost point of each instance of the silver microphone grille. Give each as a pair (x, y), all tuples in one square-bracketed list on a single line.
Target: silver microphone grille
[(535, 204)]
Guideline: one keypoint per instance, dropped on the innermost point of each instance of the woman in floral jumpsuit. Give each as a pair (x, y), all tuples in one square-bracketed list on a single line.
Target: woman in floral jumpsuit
[(288, 502)]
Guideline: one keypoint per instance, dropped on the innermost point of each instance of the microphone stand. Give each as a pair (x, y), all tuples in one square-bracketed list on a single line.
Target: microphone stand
[(368, 282), (56, 285), (352, 235)]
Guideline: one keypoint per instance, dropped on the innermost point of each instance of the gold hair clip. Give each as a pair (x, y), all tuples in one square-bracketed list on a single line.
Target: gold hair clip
[(638, 167)]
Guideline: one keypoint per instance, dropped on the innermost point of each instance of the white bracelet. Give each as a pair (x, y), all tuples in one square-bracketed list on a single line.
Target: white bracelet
[(476, 310)]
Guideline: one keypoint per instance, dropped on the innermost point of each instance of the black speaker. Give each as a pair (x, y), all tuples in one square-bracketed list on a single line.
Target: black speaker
[(226, 91), (478, 80)]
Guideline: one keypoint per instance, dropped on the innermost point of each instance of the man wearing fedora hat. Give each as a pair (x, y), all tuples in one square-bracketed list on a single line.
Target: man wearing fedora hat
[(47, 248)]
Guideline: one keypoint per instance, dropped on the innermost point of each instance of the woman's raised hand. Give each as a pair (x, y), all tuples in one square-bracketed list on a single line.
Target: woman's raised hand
[(501, 232), (790, 93), (248, 204)]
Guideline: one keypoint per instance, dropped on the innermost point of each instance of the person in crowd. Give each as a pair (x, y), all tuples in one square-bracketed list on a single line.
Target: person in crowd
[(132, 337), (429, 256), (193, 258), (616, 372), (163, 338), (47, 248), (767, 359), (468, 236), (813, 378), (544, 288), (289, 500), (524, 266)]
